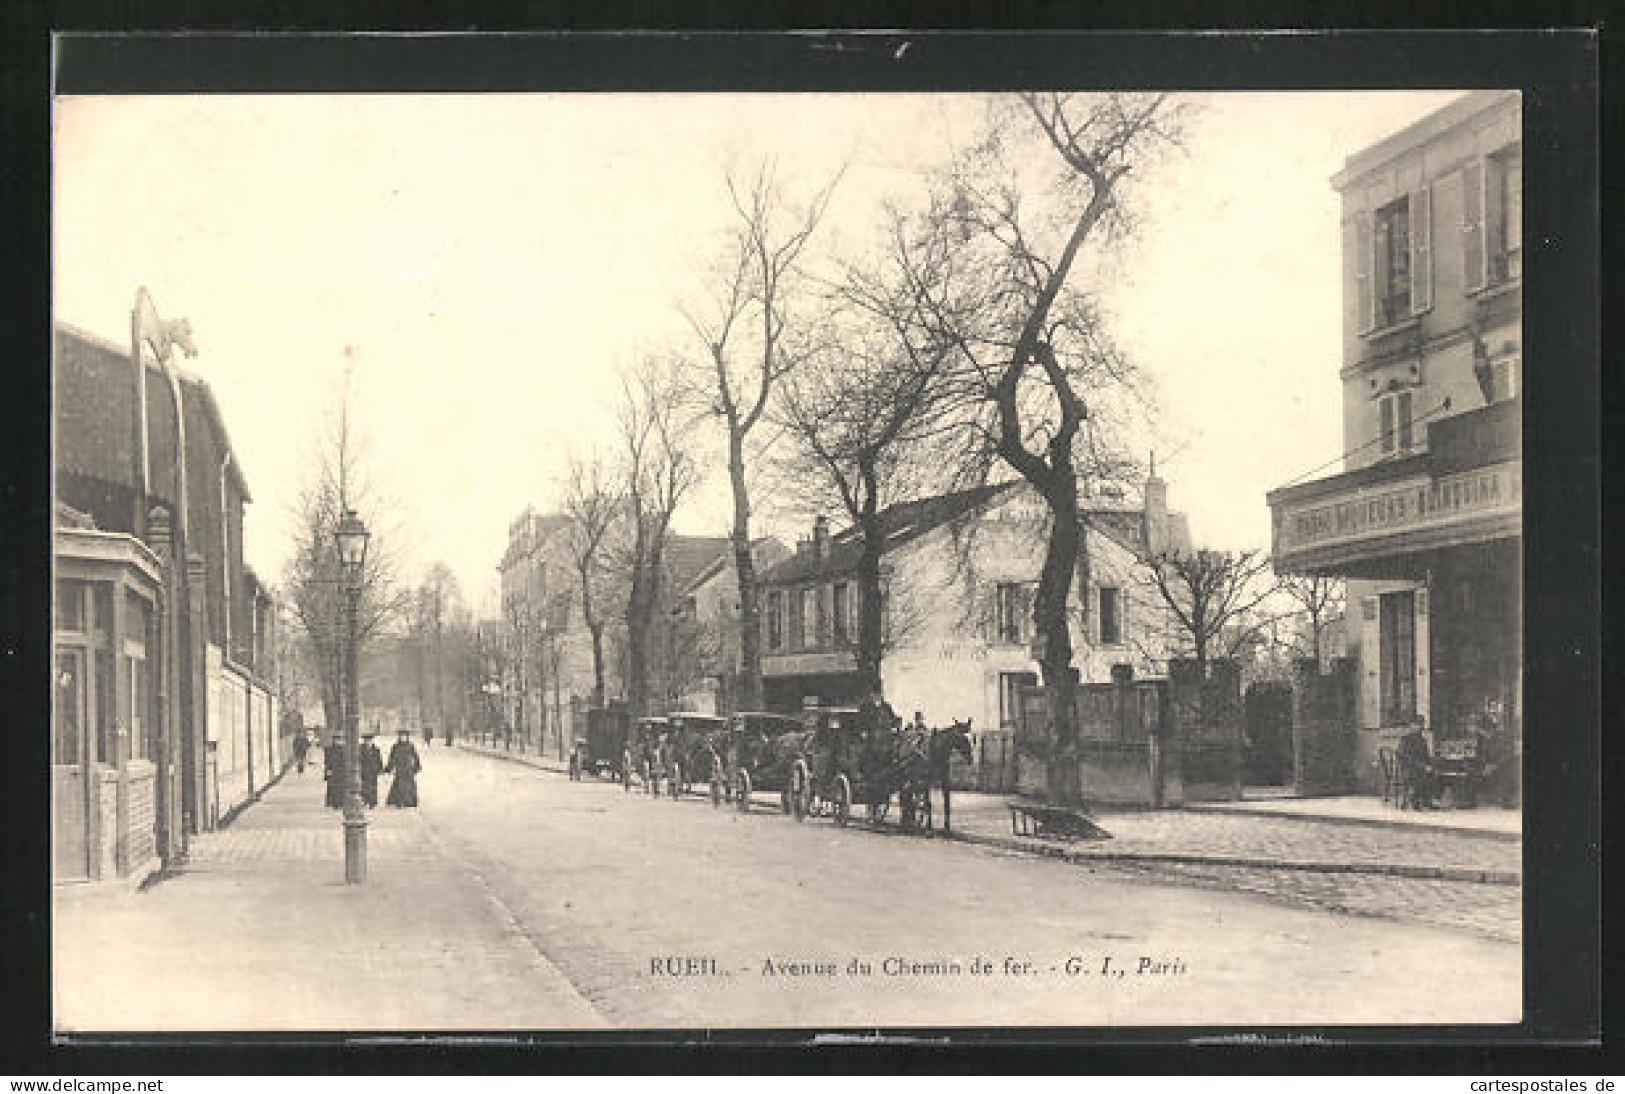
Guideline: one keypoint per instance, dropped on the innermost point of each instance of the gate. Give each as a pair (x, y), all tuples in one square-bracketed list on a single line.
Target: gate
[(1267, 734)]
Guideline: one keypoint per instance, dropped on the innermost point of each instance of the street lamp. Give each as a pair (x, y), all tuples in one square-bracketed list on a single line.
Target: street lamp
[(351, 538)]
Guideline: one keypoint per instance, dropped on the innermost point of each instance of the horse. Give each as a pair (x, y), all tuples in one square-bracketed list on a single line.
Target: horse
[(925, 756)]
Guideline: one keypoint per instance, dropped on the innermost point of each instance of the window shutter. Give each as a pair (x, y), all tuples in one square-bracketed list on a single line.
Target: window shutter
[(1402, 414), (1363, 231), (1472, 225), (1386, 406), (1370, 716), (1421, 202), (1422, 658)]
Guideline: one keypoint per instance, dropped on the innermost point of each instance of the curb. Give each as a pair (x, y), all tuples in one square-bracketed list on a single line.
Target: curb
[(558, 767), (1430, 873), (1357, 822)]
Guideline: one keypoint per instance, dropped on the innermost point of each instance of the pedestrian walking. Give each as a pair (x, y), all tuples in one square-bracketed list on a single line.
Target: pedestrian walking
[(300, 747), (333, 772), (372, 765), (404, 765)]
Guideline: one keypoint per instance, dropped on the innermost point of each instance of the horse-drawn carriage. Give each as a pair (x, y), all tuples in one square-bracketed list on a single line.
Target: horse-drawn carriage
[(844, 759), (695, 744), (749, 757), (602, 749)]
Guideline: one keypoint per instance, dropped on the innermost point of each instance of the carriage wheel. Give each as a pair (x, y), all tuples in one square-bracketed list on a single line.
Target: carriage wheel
[(626, 771), (742, 791), (843, 800), (675, 780), (800, 791)]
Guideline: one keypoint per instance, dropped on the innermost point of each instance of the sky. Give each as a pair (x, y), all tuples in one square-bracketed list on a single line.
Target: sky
[(485, 264)]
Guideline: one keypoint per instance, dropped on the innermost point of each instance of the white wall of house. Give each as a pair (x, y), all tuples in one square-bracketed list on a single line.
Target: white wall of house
[(954, 650)]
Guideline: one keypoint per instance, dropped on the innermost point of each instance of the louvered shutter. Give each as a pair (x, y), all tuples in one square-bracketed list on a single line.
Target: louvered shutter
[(1360, 243), (1422, 655), (1370, 659), (1472, 225), (1386, 410), (1421, 202)]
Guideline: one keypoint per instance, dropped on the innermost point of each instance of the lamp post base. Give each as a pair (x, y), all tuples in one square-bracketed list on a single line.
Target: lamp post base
[(355, 848)]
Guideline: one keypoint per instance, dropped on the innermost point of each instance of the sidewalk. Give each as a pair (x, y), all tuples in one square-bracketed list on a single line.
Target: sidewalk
[(423, 944), (1282, 839)]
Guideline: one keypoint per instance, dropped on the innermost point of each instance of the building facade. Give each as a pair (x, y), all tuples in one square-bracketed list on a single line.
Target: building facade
[(960, 572), (1425, 519), (164, 710)]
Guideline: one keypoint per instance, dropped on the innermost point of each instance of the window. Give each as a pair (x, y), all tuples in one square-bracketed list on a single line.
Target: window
[(1398, 434), (1013, 610), (1111, 616), (1504, 379), (1492, 219), (1393, 255), (70, 706), (70, 606), (809, 618), (1397, 657), (1010, 685), (775, 621), (838, 613)]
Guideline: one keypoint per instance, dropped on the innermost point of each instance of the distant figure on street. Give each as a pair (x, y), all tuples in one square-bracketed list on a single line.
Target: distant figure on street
[(333, 772), (372, 765), (405, 765), (300, 746), (428, 735)]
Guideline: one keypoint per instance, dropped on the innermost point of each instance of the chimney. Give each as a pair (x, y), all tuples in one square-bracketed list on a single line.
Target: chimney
[(1156, 509), (821, 537)]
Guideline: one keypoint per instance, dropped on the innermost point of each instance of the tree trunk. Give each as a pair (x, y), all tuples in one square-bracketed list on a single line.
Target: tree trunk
[(750, 621), (596, 630), (1050, 619), (637, 644), (871, 607)]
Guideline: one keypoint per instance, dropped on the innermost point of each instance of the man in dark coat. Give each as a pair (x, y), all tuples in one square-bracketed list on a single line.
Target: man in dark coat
[(372, 765), (1415, 762), (300, 745), (404, 765), (333, 772)]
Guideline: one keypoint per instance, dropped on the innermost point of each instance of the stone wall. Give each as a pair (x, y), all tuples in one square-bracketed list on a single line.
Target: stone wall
[(1323, 733), (1205, 721)]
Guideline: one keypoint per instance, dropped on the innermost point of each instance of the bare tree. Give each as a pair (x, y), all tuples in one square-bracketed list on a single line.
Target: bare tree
[(1213, 598), (658, 474), (336, 479), (592, 504), (743, 332), (868, 399), (1321, 597), (1024, 204)]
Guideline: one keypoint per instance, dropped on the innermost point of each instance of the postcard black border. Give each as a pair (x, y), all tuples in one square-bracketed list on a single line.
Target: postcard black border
[(1556, 71)]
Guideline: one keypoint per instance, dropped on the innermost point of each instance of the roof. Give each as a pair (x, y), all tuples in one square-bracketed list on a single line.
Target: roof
[(762, 551), (686, 557), (901, 523), (1425, 129), (113, 355)]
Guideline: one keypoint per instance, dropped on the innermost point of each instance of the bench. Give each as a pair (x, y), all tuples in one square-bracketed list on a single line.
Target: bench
[(1052, 823)]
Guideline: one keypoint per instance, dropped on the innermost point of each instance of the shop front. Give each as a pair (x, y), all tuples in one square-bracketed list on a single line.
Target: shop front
[(1431, 547), (106, 721)]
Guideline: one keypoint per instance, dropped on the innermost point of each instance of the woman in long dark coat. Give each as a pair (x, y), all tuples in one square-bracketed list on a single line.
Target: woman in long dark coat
[(333, 772), (404, 765)]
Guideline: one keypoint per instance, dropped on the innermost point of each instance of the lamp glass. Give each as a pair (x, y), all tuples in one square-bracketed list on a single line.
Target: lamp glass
[(351, 537)]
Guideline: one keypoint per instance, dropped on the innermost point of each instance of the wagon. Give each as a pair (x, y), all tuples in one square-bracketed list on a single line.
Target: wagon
[(821, 765), (602, 749), (695, 743), (749, 757)]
